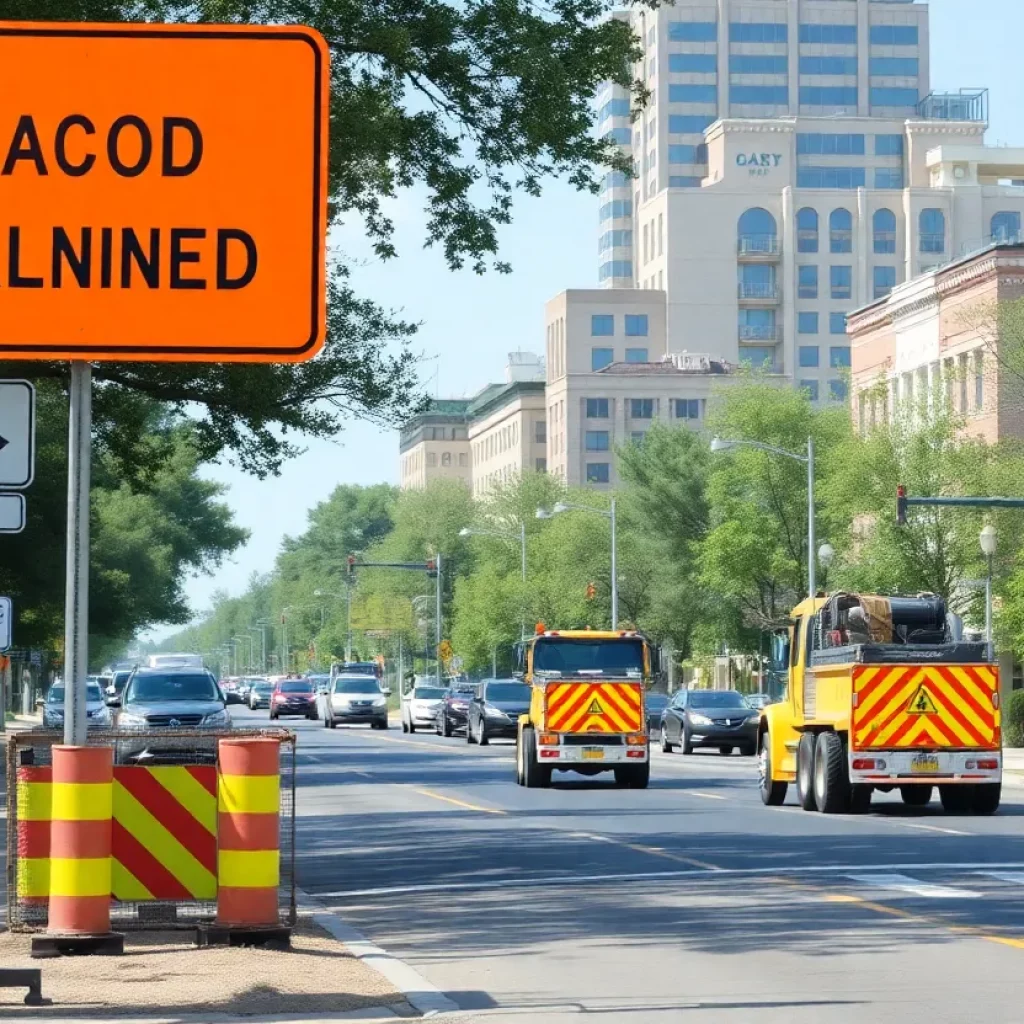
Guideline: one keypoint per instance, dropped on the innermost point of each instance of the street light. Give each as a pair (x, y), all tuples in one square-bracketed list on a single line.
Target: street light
[(719, 444), (610, 514), (468, 531), (249, 640), (987, 539)]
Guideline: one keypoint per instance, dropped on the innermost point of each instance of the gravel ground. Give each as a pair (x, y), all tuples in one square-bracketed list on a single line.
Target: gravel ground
[(164, 974)]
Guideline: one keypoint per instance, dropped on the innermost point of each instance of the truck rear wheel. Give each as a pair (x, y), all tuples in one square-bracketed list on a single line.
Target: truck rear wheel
[(986, 796), (916, 796), (772, 793), (956, 799), (535, 775), (635, 776), (831, 782), (805, 772)]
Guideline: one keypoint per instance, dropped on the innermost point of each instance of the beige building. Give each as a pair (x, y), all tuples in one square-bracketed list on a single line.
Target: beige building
[(434, 445), (935, 338)]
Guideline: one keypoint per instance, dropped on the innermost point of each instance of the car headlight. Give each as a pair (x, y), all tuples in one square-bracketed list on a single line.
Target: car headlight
[(379, 702), (126, 720), (700, 719), (217, 718)]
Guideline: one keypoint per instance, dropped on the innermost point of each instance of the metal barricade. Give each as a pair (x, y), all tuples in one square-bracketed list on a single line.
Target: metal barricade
[(164, 828)]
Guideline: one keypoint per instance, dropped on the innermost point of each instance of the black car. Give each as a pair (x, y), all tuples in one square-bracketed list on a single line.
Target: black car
[(495, 710), (453, 711), (655, 703), (709, 718)]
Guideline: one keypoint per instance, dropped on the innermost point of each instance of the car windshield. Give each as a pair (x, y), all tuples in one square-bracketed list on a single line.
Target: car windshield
[(507, 691), (263, 687), (56, 694), (657, 700), (428, 693), (301, 687), (571, 657), (179, 686), (344, 685), (717, 699)]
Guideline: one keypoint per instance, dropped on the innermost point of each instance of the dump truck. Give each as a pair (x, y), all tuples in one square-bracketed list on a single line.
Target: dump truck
[(884, 693), (587, 709)]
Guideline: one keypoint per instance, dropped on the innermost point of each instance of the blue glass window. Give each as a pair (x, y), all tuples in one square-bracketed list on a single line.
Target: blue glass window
[(751, 64), (641, 408), (807, 282), (636, 325), (883, 226), (601, 357), (885, 281), (839, 356), (688, 154), (807, 230), (705, 63), (688, 123), (894, 35), (838, 390), (828, 65), (828, 95), (888, 145), (615, 268), (829, 144), (597, 408), (692, 31), (830, 177), (602, 325), (617, 208), (637, 436), (828, 34), (693, 94), (596, 440), (614, 108), (758, 356), (613, 239), (841, 282), (888, 177), (757, 325), (636, 355), (756, 222), (762, 95), (811, 387), (840, 231), (684, 181), (890, 97), (932, 225), (619, 135), (837, 323), (1006, 227), (757, 32), (686, 408), (615, 179), (597, 473), (809, 356), (894, 67), (807, 323)]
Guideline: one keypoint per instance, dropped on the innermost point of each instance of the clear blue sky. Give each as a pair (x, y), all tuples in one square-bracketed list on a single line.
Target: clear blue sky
[(469, 323)]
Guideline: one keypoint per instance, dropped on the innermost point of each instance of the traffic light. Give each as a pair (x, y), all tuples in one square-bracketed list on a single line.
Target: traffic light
[(591, 591), (901, 505)]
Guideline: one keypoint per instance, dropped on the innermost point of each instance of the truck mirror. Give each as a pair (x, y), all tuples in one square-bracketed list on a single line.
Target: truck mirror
[(518, 660)]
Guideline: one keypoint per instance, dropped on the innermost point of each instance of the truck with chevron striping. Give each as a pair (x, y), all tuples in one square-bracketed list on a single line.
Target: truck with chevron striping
[(587, 707), (883, 693)]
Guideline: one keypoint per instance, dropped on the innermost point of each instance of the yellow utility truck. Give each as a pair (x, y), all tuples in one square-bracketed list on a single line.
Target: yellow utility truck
[(883, 693), (587, 709)]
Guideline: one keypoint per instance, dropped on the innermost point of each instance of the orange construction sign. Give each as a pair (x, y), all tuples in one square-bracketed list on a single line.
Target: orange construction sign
[(594, 707), (932, 706), (164, 192)]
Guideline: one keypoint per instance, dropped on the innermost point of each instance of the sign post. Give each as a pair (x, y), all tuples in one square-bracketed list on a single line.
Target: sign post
[(183, 223)]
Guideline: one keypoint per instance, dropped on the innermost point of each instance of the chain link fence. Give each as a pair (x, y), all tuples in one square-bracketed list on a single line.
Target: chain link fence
[(184, 747)]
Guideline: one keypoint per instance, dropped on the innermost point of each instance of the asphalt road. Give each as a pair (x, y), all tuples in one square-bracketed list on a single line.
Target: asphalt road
[(689, 901)]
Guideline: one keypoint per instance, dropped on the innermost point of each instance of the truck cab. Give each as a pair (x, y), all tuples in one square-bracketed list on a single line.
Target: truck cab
[(587, 711)]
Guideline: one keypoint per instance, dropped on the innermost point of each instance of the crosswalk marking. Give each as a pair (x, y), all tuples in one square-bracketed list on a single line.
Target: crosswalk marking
[(1013, 877), (914, 887)]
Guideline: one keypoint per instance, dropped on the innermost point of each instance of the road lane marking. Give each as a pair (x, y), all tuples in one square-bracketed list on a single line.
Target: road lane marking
[(704, 796), (913, 886), (1013, 877), (451, 800), (932, 828), (655, 851)]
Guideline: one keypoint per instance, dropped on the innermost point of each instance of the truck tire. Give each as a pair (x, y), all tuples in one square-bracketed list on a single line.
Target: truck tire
[(805, 772), (520, 780), (956, 799), (633, 776), (535, 775), (860, 799), (831, 780), (985, 799), (916, 796), (772, 793)]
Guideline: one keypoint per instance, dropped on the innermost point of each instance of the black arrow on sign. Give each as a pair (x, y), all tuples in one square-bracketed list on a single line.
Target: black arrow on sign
[(3, 442)]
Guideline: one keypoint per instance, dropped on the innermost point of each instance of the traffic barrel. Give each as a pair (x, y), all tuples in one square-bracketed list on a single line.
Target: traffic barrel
[(33, 800), (248, 833), (80, 831)]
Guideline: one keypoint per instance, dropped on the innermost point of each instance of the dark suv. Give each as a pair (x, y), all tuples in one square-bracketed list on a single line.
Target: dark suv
[(294, 697), (495, 710)]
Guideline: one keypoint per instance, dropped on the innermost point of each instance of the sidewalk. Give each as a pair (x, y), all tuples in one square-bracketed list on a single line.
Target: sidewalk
[(1013, 765)]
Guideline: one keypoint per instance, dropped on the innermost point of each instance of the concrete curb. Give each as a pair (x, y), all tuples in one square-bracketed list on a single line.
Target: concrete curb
[(419, 992), (368, 1015)]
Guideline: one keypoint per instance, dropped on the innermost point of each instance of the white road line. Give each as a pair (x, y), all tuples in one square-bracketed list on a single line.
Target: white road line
[(1013, 877), (850, 870), (904, 883), (931, 828)]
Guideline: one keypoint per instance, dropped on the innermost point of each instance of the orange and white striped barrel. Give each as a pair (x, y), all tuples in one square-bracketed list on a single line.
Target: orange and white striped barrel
[(34, 786), (248, 836), (80, 863)]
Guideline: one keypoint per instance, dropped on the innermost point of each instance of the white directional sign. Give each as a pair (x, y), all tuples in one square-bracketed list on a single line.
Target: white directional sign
[(6, 619), (17, 433), (12, 513)]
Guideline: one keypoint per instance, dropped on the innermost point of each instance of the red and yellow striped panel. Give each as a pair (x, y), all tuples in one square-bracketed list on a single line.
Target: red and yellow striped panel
[(34, 800), (164, 841), (932, 706), (594, 707)]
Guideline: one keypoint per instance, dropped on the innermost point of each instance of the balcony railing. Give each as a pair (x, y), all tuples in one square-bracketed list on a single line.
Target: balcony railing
[(965, 105), (933, 243), (764, 292), (749, 333), (758, 245)]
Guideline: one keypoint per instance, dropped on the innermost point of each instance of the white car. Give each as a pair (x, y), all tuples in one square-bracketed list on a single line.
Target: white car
[(419, 706), (354, 700)]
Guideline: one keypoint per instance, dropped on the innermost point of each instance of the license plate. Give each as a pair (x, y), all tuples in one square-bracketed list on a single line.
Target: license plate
[(593, 753), (924, 764)]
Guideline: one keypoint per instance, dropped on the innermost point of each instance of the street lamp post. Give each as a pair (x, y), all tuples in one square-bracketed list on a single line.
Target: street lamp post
[(987, 539), (610, 514), (468, 531), (718, 444)]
